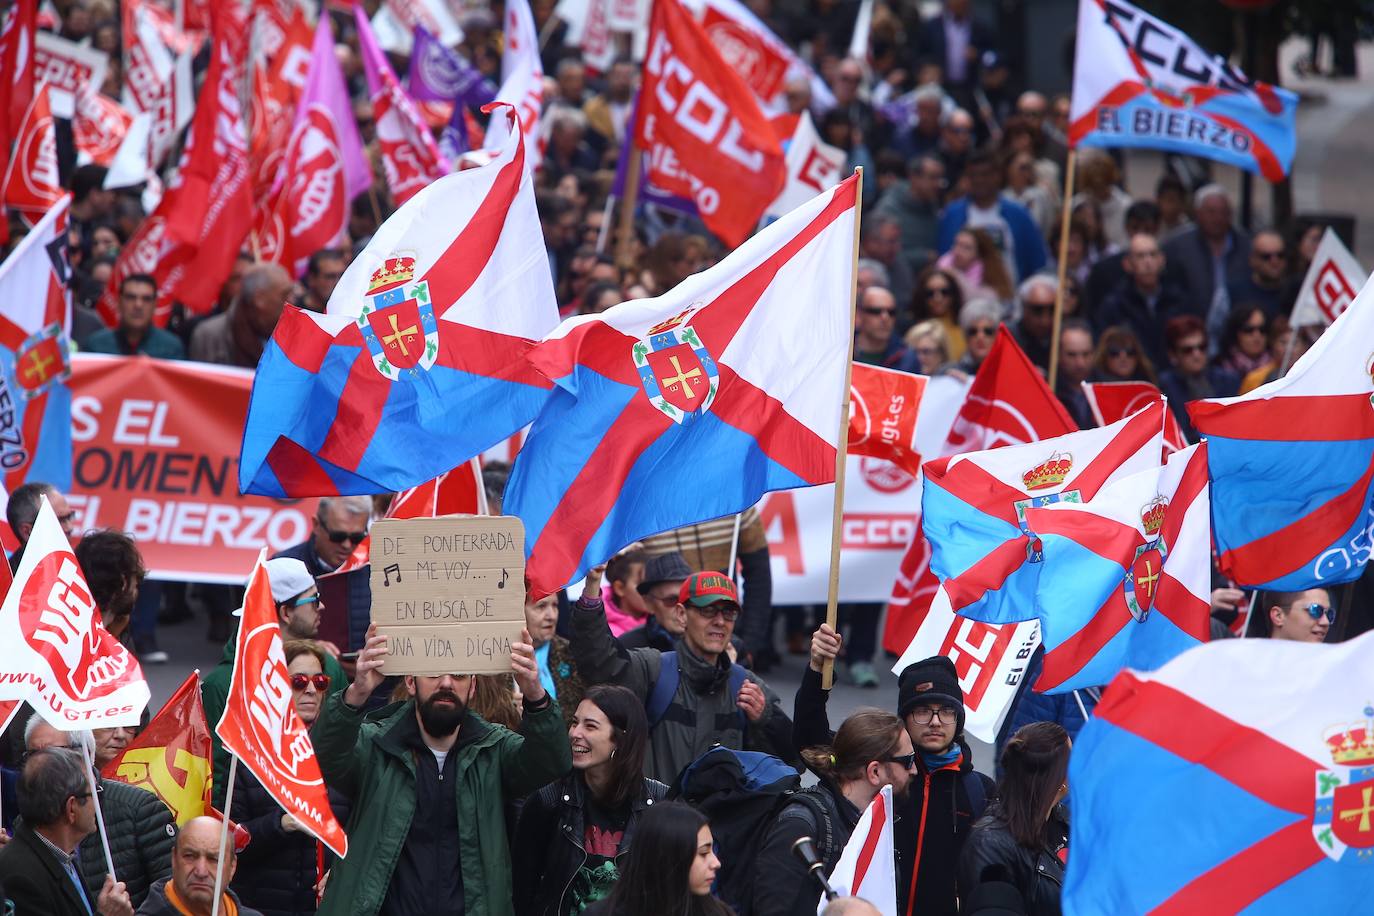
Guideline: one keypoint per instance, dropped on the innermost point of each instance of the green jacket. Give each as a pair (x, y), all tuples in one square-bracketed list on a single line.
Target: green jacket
[(361, 756), (214, 695)]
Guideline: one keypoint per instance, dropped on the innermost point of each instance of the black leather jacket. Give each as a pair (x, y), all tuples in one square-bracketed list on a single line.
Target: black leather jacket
[(1037, 873), (548, 843)]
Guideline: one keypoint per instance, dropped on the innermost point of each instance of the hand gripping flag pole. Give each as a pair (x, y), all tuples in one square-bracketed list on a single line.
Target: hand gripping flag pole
[(842, 445)]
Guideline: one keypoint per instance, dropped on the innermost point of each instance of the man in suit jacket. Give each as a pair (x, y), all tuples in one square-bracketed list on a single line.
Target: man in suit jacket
[(39, 867)]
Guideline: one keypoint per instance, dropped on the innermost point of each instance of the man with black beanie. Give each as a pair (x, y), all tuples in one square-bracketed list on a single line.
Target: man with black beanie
[(931, 823)]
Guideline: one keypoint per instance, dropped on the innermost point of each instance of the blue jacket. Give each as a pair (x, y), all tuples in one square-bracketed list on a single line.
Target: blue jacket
[(1031, 253)]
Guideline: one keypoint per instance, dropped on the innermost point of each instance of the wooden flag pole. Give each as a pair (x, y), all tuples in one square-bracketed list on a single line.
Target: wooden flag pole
[(224, 833), (624, 251), (842, 448), (1069, 169)]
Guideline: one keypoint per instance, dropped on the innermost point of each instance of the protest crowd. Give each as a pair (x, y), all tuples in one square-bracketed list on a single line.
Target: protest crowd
[(342, 205)]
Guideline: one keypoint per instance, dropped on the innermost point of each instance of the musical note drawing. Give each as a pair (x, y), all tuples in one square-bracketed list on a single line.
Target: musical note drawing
[(388, 570), (504, 576)]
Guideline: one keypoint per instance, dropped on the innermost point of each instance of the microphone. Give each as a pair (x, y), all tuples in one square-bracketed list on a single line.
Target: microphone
[(805, 850)]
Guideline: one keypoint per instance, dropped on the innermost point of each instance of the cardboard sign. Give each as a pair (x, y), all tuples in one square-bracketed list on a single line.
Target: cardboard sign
[(448, 593)]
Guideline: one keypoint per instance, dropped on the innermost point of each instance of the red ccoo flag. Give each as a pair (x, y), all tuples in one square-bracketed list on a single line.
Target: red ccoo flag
[(707, 138), (260, 726)]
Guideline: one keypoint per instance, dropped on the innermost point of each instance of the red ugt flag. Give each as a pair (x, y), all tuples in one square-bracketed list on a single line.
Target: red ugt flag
[(882, 415), (260, 726), (707, 138), (32, 185)]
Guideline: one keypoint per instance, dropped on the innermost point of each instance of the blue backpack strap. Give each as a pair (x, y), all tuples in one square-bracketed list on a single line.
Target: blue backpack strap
[(665, 688), (977, 794)]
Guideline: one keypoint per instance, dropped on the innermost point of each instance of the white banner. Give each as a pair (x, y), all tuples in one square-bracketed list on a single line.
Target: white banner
[(1330, 285), (66, 66)]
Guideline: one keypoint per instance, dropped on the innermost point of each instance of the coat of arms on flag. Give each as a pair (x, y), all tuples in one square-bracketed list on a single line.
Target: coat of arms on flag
[(397, 320), (42, 361), (1344, 815), (1049, 473), (1141, 583), (677, 372)]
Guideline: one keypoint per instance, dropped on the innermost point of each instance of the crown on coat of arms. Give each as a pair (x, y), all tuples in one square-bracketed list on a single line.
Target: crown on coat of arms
[(1152, 516), (1049, 473), (1353, 745), (673, 322), (395, 272)]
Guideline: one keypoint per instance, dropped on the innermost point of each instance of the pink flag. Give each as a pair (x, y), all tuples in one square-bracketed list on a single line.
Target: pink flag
[(409, 154), (325, 167)]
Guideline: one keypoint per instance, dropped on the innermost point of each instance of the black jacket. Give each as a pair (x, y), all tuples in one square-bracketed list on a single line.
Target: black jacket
[(1126, 306), (782, 886), (549, 843), (276, 870), (35, 881), (929, 825), (1037, 873), (158, 905), (139, 825)]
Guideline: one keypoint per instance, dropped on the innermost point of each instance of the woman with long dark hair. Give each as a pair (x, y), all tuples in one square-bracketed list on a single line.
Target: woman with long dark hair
[(940, 297), (670, 870), (1024, 836), (575, 833), (1120, 358)]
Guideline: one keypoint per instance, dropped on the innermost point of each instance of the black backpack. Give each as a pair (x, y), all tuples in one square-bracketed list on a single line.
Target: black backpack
[(741, 792)]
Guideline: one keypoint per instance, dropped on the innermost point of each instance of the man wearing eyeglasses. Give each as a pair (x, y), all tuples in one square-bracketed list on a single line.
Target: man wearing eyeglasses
[(695, 696), (22, 511), (137, 822), (298, 606), (946, 794), (663, 578), (1300, 616), (39, 867), (874, 324), (1265, 282)]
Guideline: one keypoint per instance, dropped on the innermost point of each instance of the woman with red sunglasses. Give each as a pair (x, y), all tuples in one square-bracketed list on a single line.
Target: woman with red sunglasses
[(280, 868)]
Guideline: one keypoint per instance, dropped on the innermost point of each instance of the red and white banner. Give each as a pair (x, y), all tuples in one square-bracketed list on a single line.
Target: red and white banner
[(1330, 284), (813, 166), (260, 726), (32, 184), (158, 77), (409, 155), (66, 66), (883, 409), (16, 68), (54, 651), (707, 138), (279, 80), (154, 448), (522, 82), (1112, 401), (866, 869), (991, 660), (99, 126), (750, 48), (396, 20)]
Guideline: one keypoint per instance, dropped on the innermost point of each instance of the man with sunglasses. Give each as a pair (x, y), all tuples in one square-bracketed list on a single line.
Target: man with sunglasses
[(298, 607), (1191, 375), (1300, 616), (694, 696), (663, 578), (875, 342), (1265, 283), (39, 867), (946, 794)]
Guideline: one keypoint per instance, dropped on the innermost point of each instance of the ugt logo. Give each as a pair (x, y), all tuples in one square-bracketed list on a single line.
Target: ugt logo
[(678, 374)]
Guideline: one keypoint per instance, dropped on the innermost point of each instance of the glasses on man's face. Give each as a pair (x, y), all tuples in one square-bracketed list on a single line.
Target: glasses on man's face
[(723, 609), (1270, 255), (338, 537), (1318, 611), (1187, 349), (923, 715), (82, 796), (982, 331), (905, 761), (667, 599), (301, 681), (307, 599), (872, 311)]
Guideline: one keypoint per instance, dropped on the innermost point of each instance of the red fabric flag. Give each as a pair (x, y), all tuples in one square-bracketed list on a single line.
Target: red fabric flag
[(189, 243), (1009, 403), (278, 83), (260, 726), (882, 415), (171, 756), (16, 68), (1112, 401), (32, 185), (707, 138), (99, 125)]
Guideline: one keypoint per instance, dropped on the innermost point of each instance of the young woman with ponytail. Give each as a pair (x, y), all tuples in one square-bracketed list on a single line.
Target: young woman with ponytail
[(871, 750)]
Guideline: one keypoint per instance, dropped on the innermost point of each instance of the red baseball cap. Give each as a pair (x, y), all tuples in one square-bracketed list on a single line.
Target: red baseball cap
[(707, 587)]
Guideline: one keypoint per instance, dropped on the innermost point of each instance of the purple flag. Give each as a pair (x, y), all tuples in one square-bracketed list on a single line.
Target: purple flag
[(440, 74), (648, 193)]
